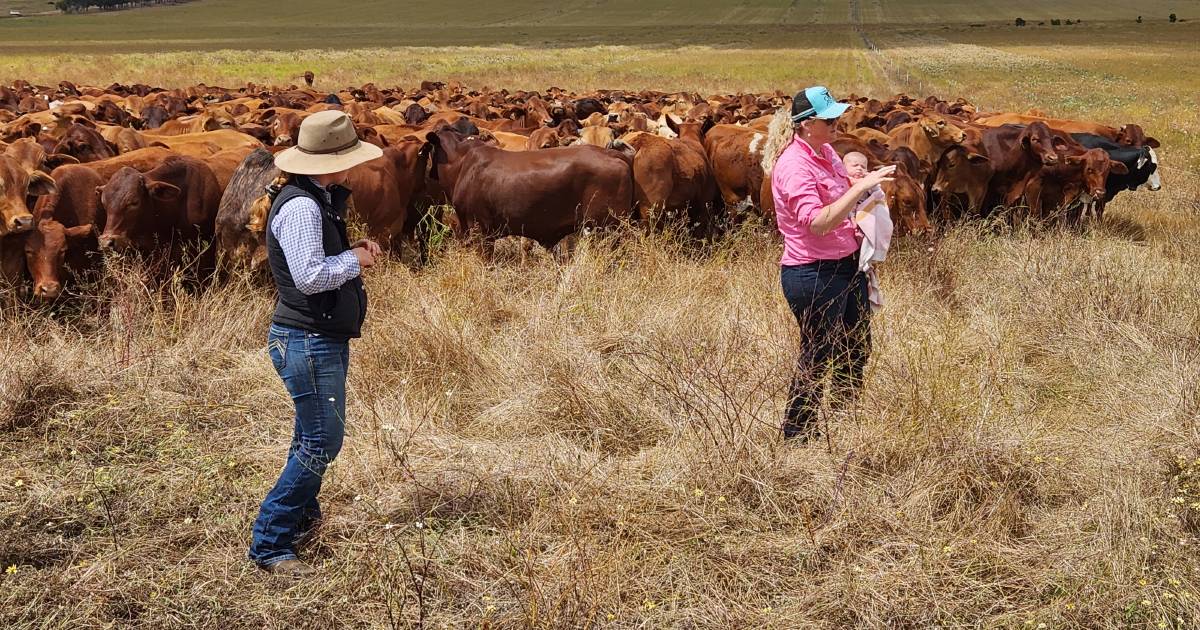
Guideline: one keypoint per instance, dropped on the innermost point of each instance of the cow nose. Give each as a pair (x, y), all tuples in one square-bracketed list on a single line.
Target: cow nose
[(22, 223), (107, 242), (47, 290), (281, 140)]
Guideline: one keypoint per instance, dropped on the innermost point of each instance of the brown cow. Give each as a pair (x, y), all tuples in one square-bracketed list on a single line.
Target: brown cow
[(64, 241), (735, 156), (927, 137), (16, 184), (223, 163), (907, 203), (1079, 175), (961, 170), (386, 191), (543, 195), (162, 211), (1127, 134), (212, 120), (671, 177), (1014, 154), (33, 157)]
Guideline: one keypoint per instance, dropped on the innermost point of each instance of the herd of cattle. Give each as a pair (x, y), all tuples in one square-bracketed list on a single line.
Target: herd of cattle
[(154, 171)]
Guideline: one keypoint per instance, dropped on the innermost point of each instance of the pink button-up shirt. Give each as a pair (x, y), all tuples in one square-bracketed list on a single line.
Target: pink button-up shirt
[(803, 183)]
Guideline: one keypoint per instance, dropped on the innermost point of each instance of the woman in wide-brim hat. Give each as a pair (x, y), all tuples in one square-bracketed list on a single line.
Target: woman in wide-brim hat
[(819, 270), (320, 307)]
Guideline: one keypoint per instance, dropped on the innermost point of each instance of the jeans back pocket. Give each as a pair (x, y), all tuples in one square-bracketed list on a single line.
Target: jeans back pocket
[(277, 349)]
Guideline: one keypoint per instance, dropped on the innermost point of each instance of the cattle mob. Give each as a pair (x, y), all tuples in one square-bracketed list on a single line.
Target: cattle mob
[(149, 170)]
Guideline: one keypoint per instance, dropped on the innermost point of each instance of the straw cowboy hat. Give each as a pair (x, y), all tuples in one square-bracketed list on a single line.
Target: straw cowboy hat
[(327, 144)]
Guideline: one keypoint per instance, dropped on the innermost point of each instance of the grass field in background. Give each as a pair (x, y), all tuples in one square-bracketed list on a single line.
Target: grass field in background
[(257, 24)]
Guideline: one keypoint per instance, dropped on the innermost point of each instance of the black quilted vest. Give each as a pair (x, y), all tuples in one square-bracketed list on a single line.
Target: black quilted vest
[(337, 313)]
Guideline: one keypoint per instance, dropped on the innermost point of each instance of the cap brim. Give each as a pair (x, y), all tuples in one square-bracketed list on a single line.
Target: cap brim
[(293, 160), (833, 111)]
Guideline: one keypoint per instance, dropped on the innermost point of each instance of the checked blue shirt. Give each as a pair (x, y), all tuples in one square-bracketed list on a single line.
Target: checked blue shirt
[(297, 227)]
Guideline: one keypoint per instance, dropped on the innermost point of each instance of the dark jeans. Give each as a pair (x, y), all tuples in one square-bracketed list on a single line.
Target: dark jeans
[(829, 300), (313, 369)]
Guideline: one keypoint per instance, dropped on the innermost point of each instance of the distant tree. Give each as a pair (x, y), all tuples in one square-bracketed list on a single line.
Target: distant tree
[(1172, 19), (1020, 22), (1069, 22), (1055, 22), (1139, 20)]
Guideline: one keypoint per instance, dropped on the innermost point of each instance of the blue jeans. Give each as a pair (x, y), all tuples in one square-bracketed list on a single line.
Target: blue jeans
[(829, 299), (313, 369)]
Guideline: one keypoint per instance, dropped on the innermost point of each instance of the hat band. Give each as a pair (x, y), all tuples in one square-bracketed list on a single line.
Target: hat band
[(804, 114), (350, 145)]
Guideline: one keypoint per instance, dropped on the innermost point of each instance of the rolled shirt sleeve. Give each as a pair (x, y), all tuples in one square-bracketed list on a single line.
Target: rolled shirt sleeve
[(803, 199), (297, 227)]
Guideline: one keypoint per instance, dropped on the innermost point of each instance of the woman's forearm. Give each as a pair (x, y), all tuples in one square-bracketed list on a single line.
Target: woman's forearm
[(832, 215)]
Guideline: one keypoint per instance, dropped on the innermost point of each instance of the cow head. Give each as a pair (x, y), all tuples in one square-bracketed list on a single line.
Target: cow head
[(16, 184), (1038, 139), (1153, 180), (85, 144), (941, 131), (21, 129), (1095, 165), (285, 127), (153, 116), (1135, 136), (907, 203), (956, 168), (447, 147), (46, 249), (414, 114), (131, 200)]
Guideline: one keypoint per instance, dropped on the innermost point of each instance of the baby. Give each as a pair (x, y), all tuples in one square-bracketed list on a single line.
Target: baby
[(856, 165)]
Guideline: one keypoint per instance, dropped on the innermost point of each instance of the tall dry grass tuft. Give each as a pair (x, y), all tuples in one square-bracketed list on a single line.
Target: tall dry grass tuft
[(592, 441)]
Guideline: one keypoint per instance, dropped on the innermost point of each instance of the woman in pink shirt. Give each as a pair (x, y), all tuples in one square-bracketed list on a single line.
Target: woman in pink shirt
[(814, 200)]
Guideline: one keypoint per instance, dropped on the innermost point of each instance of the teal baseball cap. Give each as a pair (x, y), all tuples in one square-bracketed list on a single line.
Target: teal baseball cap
[(816, 102)]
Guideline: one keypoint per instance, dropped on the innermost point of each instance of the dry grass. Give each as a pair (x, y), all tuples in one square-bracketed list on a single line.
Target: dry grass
[(593, 443)]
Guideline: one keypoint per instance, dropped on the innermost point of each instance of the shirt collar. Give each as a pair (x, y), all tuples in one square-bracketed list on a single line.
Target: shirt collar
[(826, 150), (323, 189)]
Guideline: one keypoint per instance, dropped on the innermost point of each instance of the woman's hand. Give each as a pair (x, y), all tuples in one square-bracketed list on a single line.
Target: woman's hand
[(876, 177), (835, 213)]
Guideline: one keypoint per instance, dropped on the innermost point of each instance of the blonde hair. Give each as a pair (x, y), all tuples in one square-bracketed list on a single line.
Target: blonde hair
[(779, 136), (262, 207)]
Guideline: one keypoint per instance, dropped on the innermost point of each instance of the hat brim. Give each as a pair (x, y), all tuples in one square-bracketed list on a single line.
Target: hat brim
[(293, 160), (833, 111)]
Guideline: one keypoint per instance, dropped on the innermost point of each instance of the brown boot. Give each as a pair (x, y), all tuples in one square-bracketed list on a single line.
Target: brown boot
[(289, 568)]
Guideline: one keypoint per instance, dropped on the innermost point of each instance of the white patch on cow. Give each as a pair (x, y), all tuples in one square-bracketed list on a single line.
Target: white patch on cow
[(756, 143), (744, 204), (1154, 182)]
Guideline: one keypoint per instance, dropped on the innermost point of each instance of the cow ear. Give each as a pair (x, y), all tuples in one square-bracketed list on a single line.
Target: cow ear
[(671, 124), (1117, 167), (977, 158), (55, 160), (41, 184), (1152, 142), (79, 231), (163, 191), (157, 143), (1073, 159)]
